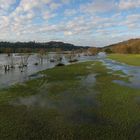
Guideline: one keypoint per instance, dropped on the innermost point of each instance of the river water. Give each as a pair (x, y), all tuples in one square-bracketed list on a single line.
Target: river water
[(17, 75), (133, 72)]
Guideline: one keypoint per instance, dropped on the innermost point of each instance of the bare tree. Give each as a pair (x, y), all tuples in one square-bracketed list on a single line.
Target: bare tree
[(73, 56), (41, 55), (59, 55), (92, 51), (24, 60)]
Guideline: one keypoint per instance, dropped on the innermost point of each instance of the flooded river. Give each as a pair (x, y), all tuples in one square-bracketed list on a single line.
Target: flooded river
[(17, 75), (133, 72)]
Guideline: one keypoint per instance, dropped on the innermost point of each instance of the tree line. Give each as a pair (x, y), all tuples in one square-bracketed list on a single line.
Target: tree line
[(23, 47), (127, 47)]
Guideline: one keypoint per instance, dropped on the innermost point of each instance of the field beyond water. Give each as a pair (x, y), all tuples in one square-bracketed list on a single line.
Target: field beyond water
[(74, 102), (130, 59)]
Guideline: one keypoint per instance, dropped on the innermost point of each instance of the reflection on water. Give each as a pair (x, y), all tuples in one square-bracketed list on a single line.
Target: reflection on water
[(133, 72), (89, 80), (76, 104), (18, 75)]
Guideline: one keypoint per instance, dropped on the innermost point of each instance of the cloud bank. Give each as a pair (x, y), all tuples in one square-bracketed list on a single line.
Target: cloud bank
[(82, 22)]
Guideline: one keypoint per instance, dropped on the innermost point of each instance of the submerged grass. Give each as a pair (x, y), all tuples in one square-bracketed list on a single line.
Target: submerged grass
[(130, 59), (60, 107)]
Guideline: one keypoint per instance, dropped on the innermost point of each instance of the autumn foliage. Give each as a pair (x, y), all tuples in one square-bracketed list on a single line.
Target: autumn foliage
[(93, 51), (127, 47)]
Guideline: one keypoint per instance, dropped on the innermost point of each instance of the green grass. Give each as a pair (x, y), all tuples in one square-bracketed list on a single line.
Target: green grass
[(61, 106), (130, 59)]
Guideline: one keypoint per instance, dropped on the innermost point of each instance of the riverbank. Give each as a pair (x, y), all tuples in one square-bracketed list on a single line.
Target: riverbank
[(130, 59), (78, 101)]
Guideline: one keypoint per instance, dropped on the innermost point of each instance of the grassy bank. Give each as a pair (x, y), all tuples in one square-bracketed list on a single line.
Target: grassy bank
[(75, 102), (130, 59)]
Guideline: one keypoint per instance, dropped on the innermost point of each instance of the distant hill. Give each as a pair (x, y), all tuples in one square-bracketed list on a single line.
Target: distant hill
[(129, 46), (35, 46)]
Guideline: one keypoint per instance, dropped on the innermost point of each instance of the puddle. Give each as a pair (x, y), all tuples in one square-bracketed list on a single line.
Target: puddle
[(40, 100), (128, 84), (36, 76), (72, 104), (132, 72), (89, 80), (18, 75), (88, 117), (73, 98), (88, 67), (32, 101), (67, 103)]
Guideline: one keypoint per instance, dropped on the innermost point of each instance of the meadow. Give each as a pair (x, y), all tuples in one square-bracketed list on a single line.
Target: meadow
[(74, 102), (130, 59)]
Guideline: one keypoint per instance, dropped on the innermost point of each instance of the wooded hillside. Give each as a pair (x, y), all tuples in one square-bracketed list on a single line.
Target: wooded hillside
[(17, 47), (129, 46)]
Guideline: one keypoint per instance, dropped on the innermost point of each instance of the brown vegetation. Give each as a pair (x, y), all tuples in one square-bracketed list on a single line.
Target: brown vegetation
[(93, 51), (127, 47)]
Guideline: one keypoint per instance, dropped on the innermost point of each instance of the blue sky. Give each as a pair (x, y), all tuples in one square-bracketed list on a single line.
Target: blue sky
[(81, 22)]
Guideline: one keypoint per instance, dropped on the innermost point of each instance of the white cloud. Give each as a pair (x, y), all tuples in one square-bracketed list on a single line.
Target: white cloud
[(5, 5), (70, 12), (66, 1), (47, 15), (54, 6), (132, 21), (68, 33), (129, 4), (98, 6), (30, 20), (27, 5)]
